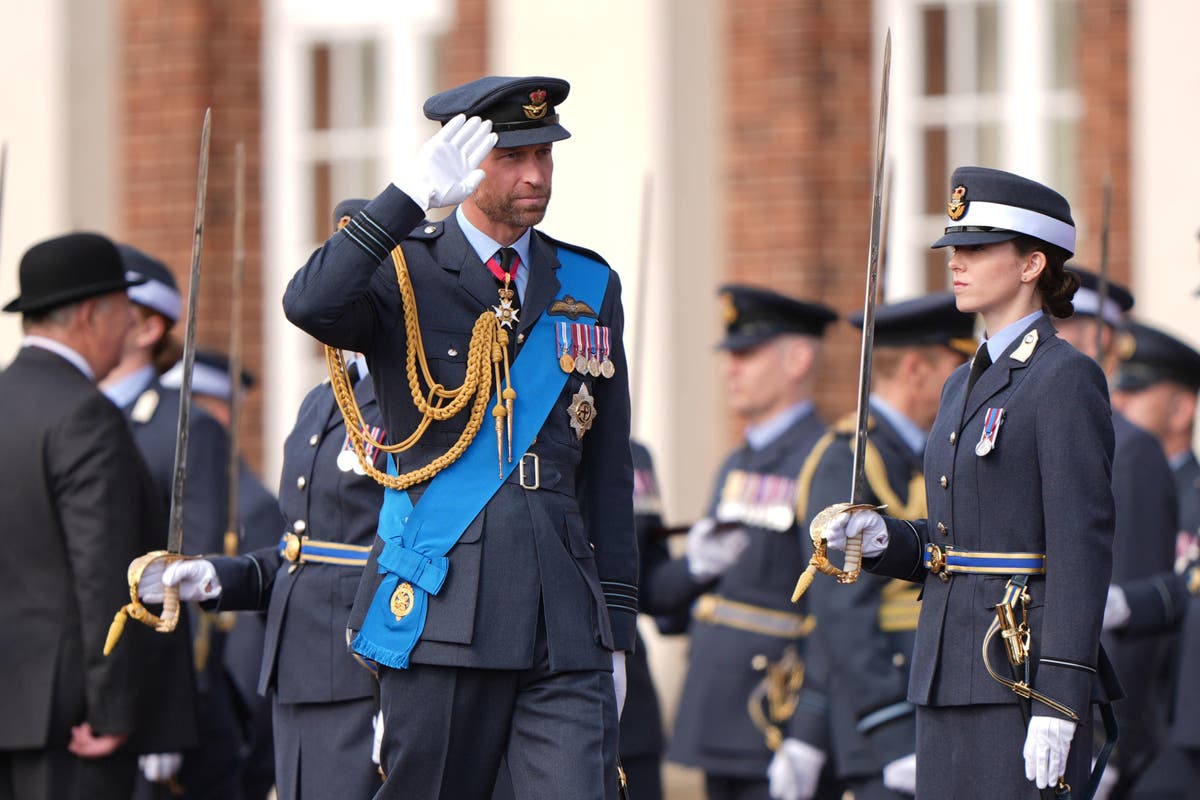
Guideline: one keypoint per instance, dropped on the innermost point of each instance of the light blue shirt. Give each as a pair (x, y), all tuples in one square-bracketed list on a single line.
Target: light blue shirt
[(997, 344), (129, 388), (485, 247), (58, 348), (913, 435), (761, 435)]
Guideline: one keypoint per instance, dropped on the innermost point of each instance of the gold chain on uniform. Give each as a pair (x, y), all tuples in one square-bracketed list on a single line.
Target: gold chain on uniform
[(487, 354)]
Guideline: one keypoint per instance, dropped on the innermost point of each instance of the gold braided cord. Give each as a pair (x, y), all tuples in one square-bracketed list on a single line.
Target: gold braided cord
[(488, 347)]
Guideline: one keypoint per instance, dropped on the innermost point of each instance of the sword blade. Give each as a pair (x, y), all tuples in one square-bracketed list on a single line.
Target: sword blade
[(1102, 282), (859, 481), (175, 529), (235, 344), (3, 174)]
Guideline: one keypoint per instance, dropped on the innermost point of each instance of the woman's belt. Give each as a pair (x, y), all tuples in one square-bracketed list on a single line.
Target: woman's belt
[(717, 610), (951, 560), (303, 550)]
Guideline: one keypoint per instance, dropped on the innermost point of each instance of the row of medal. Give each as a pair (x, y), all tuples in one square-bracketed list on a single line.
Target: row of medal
[(347, 460), (758, 500), (646, 499), (585, 349)]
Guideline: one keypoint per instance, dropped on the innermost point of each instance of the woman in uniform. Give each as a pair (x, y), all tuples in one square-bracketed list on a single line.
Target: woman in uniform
[(1017, 473)]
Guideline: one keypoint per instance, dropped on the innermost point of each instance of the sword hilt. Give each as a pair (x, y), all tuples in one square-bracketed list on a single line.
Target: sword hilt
[(170, 612), (134, 609)]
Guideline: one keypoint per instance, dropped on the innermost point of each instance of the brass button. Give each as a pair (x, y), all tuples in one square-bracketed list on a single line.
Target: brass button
[(312, 440), (430, 229), (953, 437), (451, 352), (898, 660), (943, 481), (301, 483), (300, 526), (520, 338), (942, 529)]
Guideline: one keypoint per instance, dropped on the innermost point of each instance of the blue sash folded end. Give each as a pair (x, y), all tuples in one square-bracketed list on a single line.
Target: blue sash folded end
[(380, 654)]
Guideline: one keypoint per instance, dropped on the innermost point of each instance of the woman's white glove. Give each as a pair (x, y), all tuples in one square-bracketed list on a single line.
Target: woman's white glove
[(620, 685), (446, 169), (1116, 609), (901, 775), (794, 770), (710, 550), (159, 767), (1046, 747), (377, 743), (866, 521), (196, 578)]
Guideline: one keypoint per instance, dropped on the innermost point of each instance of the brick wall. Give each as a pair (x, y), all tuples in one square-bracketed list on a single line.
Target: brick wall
[(177, 59), (463, 55), (800, 102)]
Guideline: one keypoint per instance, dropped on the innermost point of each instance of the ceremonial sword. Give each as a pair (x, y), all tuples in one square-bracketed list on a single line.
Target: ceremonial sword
[(235, 347), (858, 482), (3, 173), (1102, 282), (166, 622)]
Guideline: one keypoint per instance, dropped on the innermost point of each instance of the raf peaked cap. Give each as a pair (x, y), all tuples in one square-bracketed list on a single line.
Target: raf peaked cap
[(348, 208), (210, 376), (753, 315), (1118, 300), (67, 269), (933, 319), (989, 205), (522, 110), (159, 293), (1151, 356)]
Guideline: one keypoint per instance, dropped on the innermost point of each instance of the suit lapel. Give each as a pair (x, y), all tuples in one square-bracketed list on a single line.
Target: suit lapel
[(997, 377)]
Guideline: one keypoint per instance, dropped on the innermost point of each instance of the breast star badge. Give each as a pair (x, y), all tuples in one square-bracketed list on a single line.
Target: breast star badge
[(582, 411)]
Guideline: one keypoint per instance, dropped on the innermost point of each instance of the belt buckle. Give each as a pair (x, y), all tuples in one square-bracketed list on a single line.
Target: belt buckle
[(937, 561), (537, 472), (291, 547)]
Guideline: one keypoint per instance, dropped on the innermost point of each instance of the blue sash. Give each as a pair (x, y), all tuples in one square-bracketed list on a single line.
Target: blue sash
[(413, 561)]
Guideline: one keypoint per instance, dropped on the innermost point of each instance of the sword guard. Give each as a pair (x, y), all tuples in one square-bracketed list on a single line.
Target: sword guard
[(820, 561), (135, 608)]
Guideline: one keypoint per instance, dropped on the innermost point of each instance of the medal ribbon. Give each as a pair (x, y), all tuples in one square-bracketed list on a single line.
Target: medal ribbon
[(991, 426)]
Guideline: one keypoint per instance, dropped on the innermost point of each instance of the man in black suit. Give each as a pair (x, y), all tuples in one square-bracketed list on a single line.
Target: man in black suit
[(73, 484)]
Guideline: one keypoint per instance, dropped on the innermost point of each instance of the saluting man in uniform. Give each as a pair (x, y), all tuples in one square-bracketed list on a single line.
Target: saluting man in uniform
[(1020, 524), (502, 590), (867, 629), (743, 625), (1146, 529), (323, 699)]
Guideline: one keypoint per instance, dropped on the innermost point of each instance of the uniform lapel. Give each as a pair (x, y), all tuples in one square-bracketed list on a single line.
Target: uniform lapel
[(456, 255), (999, 374), (543, 282)]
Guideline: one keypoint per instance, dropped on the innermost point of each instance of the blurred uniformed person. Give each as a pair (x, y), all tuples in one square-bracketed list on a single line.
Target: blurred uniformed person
[(744, 630), (209, 769), (323, 698), (866, 629), (502, 593), (78, 503), (1020, 524), (1146, 529)]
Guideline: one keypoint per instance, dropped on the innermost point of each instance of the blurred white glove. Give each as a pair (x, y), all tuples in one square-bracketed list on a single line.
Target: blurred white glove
[(794, 770), (619, 684), (901, 775), (377, 744), (446, 168), (865, 521), (196, 578), (710, 551), (1046, 748), (1108, 781), (1116, 609), (158, 767)]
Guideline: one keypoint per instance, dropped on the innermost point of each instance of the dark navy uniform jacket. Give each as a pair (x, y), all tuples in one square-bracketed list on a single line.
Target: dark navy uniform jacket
[(713, 729), (865, 630), (566, 551), (305, 658), (1187, 490), (1045, 488)]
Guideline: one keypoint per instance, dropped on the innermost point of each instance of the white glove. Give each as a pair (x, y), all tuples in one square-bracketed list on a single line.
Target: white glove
[(1046, 748), (377, 744), (794, 770), (1116, 609), (865, 521), (620, 686), (901, 775), (710, 552), (446, 168), (196, 578), (158, 767)]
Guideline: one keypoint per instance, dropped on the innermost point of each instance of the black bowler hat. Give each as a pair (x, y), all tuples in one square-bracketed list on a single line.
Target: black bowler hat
[(1087, 298), (1149, 356), (522, 110), (159, 293), (348, 208), (753, 315), (210, 376), (990, 205), (69, 268), (931, 319)]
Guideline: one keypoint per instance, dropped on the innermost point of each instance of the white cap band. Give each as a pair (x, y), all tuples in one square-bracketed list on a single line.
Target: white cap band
[(206, 380), (157, 296), (1022, 220), (1087, 301)]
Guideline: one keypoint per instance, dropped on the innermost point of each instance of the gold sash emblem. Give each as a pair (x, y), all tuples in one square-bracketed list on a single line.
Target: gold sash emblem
[(403, 600)]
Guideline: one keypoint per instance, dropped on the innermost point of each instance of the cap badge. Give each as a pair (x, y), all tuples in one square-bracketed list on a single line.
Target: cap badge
[(1126, 346), (537, 104), (957, 206), (729, 312)]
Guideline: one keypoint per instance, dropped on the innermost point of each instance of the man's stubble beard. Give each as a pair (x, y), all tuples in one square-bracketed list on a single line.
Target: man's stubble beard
[(503, 210)]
